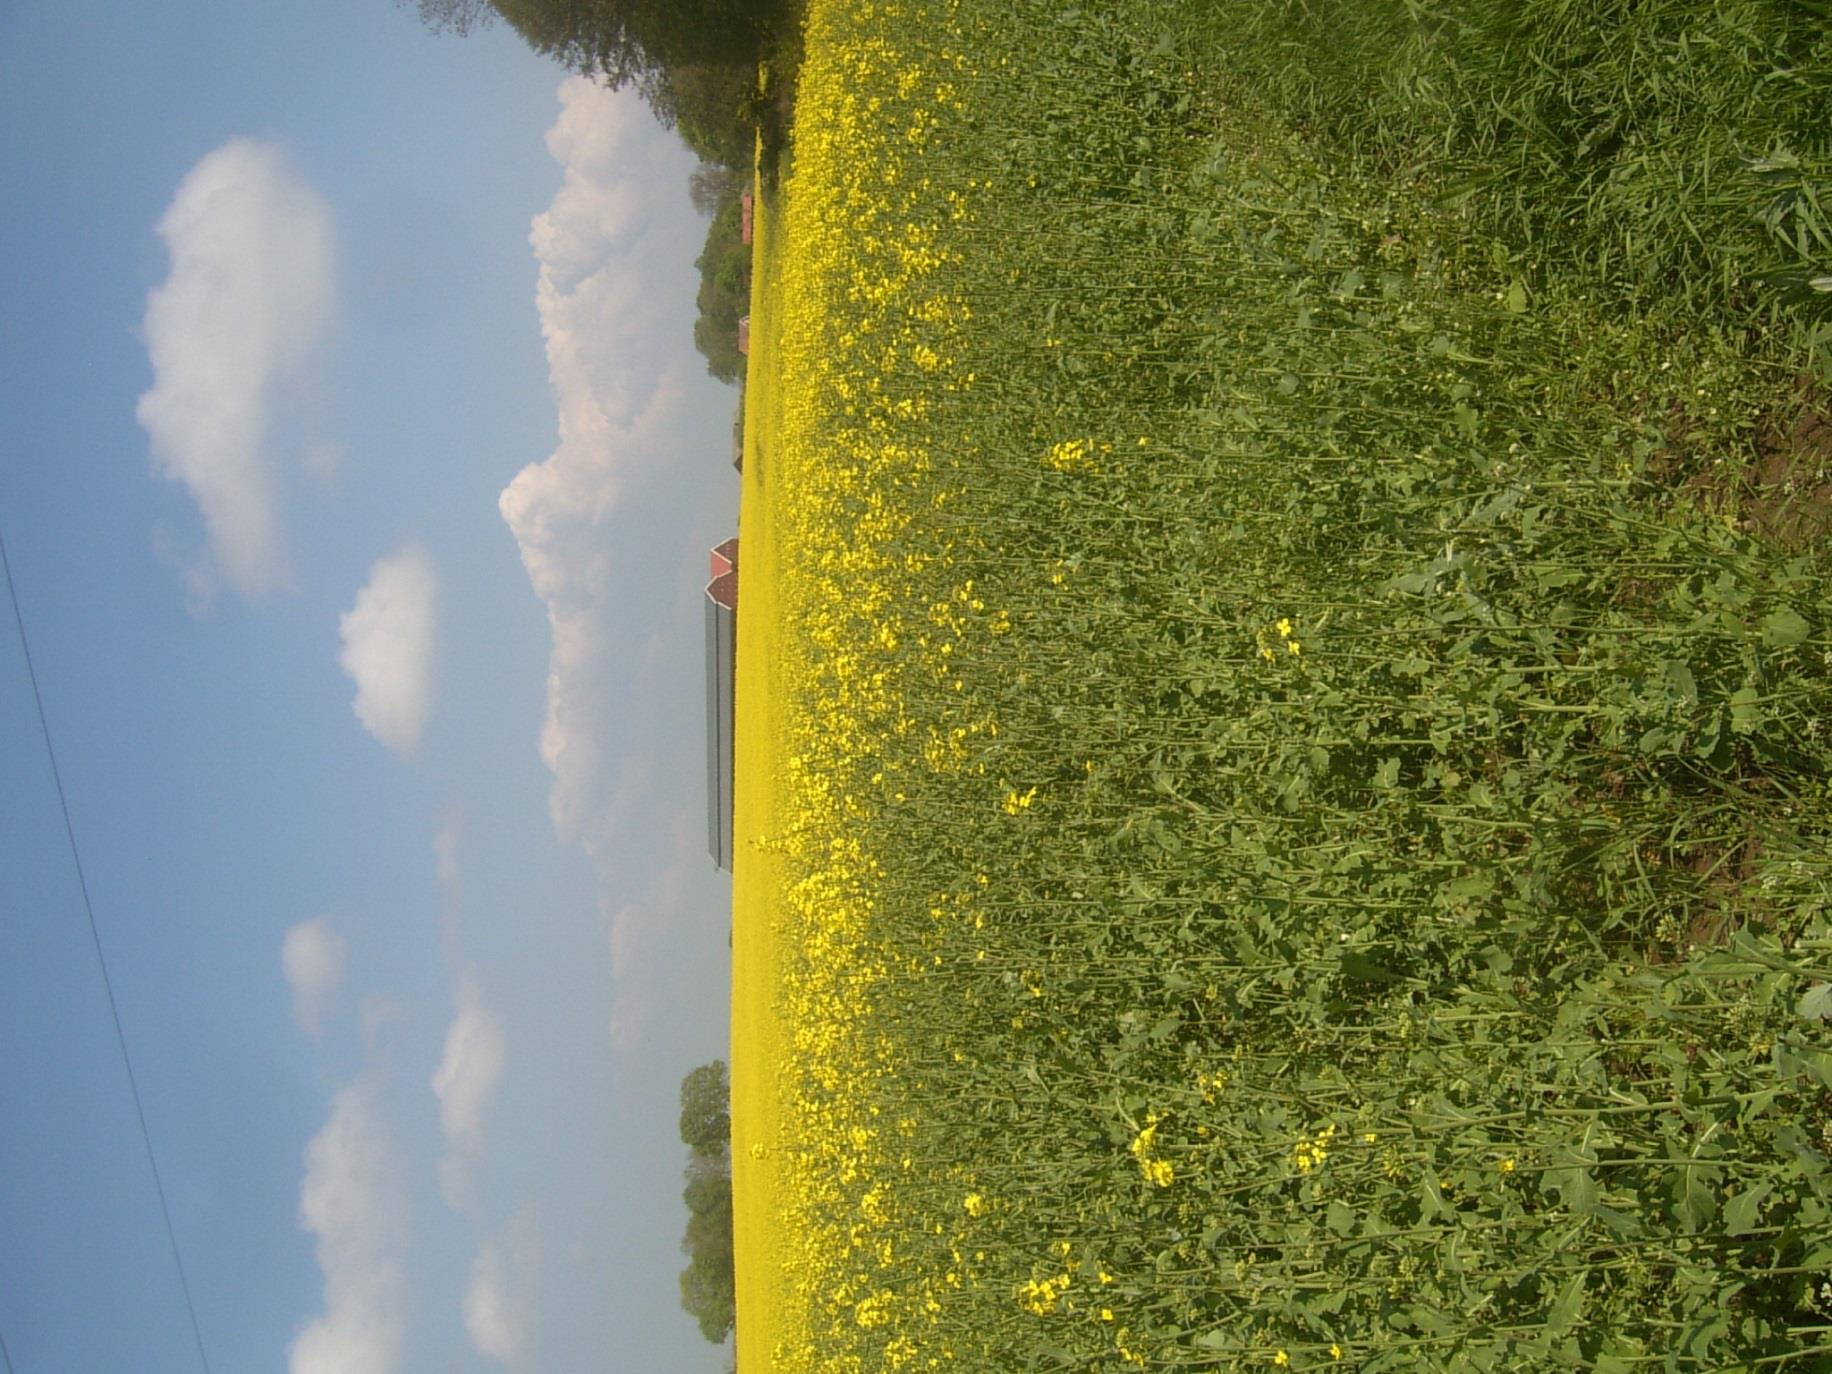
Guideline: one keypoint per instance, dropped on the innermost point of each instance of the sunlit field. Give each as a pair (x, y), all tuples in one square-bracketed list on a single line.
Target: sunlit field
[(1282, 811)]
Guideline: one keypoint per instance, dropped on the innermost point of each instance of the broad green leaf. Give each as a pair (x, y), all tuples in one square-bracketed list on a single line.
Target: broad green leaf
[(1568, 1306), (1693, 1198), (1355, 964), (1340, 1217), (1682, 686), (1783, 627), (1745, 710), (1741, 1212)]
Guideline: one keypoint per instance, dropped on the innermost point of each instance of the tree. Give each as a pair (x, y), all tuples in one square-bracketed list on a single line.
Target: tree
[(710, 1298), (711, 187), (709, 1282), (713, 107), (623, 41), (454, 16), (724, 295), (706, 1117)]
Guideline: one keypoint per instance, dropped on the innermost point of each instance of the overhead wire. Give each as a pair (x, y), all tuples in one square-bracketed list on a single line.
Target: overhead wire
[(101, 958)]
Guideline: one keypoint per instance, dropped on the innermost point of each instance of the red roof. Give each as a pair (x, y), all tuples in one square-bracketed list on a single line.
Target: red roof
[(725, 557), (744, 204), (724, 589)]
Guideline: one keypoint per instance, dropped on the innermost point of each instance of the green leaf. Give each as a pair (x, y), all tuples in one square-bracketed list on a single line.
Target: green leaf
[(1681, 685), (1577, 1188), (1693, 1198), (1745, 710), (1517, 298), (1340, 1217), (1742, 1211), (1355, 964), (1387, 775), (1568, 1306), (1709, 736), (1816, 1004), (1431, 1198), (1783, 627)]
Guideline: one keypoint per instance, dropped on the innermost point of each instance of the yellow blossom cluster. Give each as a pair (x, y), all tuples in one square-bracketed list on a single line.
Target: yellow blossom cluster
[(868, 334), (1155, 1170), (1312, 1150)]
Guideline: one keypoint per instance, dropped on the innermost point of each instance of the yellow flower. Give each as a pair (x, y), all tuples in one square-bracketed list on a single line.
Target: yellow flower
[(1015, 802), (1284, 629), (1071, 455), (976, 1205), (1335, 1351), (1281, 1359), (1507, 1165)]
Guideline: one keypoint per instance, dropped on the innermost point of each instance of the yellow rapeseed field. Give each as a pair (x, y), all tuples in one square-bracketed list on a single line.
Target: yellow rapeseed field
[(1266, 836)]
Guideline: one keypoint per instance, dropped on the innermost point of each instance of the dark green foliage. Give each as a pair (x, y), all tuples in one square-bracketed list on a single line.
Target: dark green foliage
[(695, 61), (725, 294), (632, 40), (708, 1284), (1678, 153), (706, 1118), (713, 108)]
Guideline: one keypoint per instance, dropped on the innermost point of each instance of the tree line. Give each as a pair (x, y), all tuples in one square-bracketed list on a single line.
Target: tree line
[(696, 63), (708, 1283)]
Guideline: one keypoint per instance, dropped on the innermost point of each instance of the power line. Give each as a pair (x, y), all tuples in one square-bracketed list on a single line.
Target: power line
[(101, 959)]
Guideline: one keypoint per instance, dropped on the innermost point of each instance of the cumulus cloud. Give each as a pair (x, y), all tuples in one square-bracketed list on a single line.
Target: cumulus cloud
[(355, 1202), (312, 956), (640, 937), (499, 1303), (465, 1083), (597, 246), (247, 300), (388, 648)]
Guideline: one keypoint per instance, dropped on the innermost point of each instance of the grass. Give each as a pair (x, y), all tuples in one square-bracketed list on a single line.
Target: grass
[(1289, 823)]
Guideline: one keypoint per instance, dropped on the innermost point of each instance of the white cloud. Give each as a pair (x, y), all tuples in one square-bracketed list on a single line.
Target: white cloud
[(465, 1083), (597, 246), (499, 1304), (312, 956), (247, 300), (641, 936), (388, 648), (355, 1202)]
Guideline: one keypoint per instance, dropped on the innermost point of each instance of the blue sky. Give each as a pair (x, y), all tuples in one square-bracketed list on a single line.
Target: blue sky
[(358, 475)]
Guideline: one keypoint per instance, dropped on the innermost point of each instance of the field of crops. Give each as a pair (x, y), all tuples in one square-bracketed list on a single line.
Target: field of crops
[(1285, 677)]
